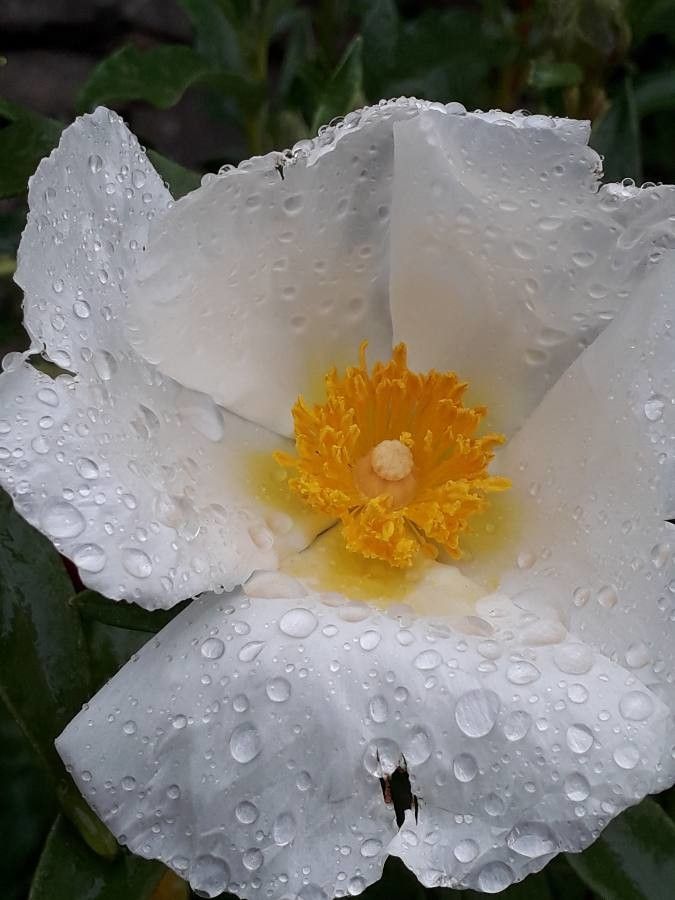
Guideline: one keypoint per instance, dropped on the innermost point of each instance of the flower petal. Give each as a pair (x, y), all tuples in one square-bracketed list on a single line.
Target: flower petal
[(143, 483), (506, 258), (593, 480), (256, 284), (249, 739)]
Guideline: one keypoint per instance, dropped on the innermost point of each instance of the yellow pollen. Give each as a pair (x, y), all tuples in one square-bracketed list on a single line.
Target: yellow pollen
[(395, 455)]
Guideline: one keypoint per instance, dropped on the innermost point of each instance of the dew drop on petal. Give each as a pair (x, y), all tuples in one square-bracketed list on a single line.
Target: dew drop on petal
[(464, 767), (427, 660), (654, 407), (212, 648), (245, 743), (90, 558), (278, 690), (209, 875), (466, 851), (476, 712), (516, 725), (577, 788), (246, 812), (579, 738), (494, 877), (61, 520), (136, 562), (298, 623), (283, 829), (522, 672), (531, 839), (573, 658), (636, 706)]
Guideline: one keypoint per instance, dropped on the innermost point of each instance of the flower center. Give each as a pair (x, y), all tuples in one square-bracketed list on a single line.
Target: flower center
[(395, 455)]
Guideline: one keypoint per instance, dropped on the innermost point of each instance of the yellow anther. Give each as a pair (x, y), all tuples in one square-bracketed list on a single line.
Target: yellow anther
[(395, 456)]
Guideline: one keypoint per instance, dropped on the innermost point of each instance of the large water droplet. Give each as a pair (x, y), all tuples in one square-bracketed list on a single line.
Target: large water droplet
[(209, 875), (298, 623), (246, 812), (90, 558), (245, 743), (250, 651), (579, 738), (627, 756), (522, 672), (494, 877), (283, 829), (212, 648), (516, 725), (464, 767), (573, 658), (278, 690), (379, 709), (577, 788), (427, 660), (476, 712), (61, 520), (136, 562), (466, 851), (531, 839), (654, 407), (636, 706), (370, 639)]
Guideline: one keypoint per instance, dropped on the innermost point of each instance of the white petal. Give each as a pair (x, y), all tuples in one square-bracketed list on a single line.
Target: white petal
[(506, 259), (91, 202), (256, 735), (144, 484), (256, 284), (593, 483)]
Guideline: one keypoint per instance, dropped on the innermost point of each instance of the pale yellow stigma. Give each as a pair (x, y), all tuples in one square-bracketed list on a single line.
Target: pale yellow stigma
[(395, 456)]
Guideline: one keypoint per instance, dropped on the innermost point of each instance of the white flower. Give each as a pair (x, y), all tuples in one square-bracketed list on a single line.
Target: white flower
[(527, 690)]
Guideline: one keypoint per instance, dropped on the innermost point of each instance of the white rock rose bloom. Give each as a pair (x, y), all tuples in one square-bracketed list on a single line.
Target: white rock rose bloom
[(485, 478)]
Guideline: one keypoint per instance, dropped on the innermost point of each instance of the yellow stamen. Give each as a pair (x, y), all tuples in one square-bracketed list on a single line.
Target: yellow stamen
[(395, 456)]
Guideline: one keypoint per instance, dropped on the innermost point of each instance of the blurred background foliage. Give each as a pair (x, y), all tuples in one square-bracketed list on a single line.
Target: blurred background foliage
[(205, 83)]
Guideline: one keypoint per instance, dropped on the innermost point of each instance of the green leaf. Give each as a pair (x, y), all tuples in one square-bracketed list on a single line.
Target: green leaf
[(68, 870), (216, 36), (380, 43), (616, 136), (27, 810), (44, 676), (159, 76), (23, 143), (44, 668), (547, 75), (180, 180), (92, 605), (344, 90), (634, 857), (655, 92)]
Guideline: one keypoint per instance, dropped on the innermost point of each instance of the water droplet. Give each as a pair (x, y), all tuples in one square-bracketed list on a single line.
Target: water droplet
[(417, 747), (252, 859), (466, 851), (86, 468), (90, 558), (516, 725), (476, 712), (81, 309), (245, 743), (494, 877), (278, 690), (95, 163), (136, 562), (61, 520), (293, 204), (179, 722), (128, 783), (627, 757), (637, 655), (104, 364), (369, 640), (173, 792), (212, 648), (464, 767), (522, 672), (607, 596), (250, 651), (531, 839), (370, 847), (298, 623), (283, 829), (379, 709), (577, 788), (129, 727), (209, 875), (579, 738), (654, 407), (573, 658), (246, 812), (427, 660), (636, 706)]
